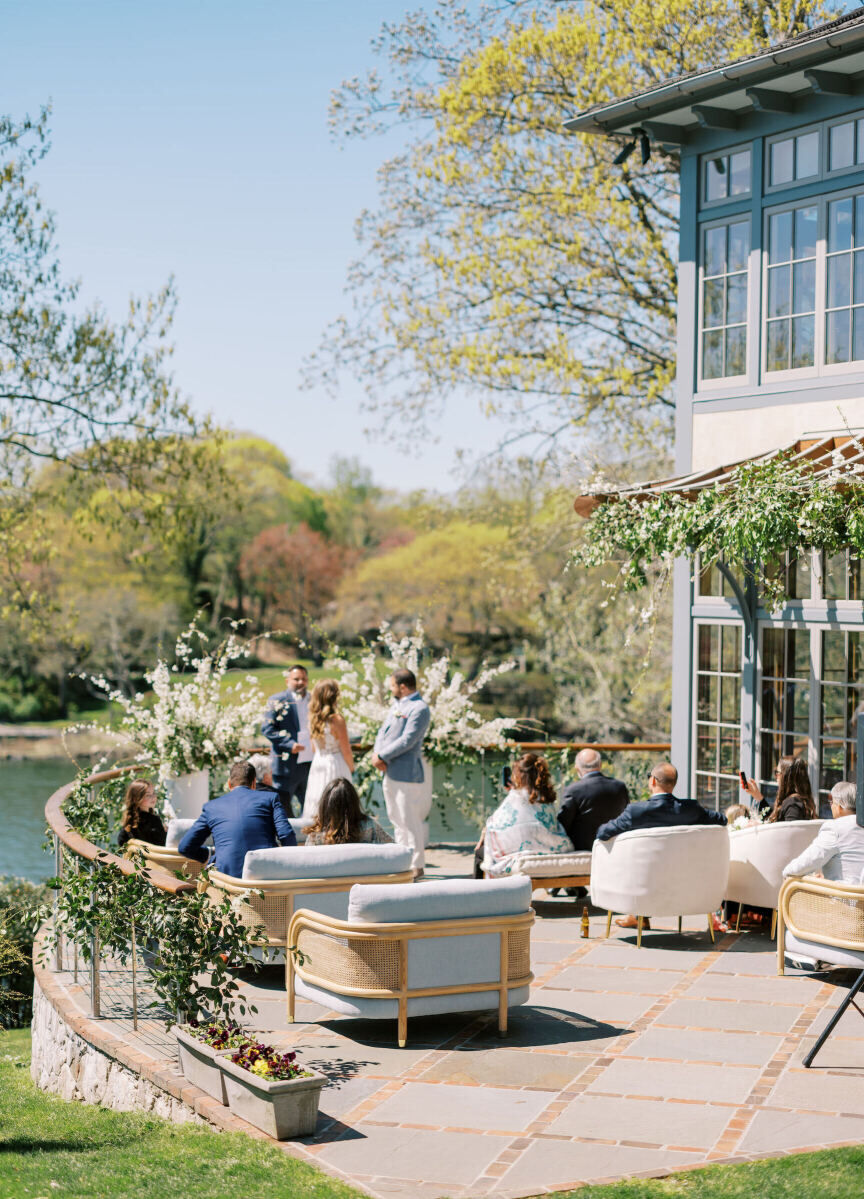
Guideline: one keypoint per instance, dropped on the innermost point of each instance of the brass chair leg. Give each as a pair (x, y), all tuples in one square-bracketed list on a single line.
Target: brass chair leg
[(773, 923), (679, 925), (738, 918), (639, 922), (711, 926), (608, 923)]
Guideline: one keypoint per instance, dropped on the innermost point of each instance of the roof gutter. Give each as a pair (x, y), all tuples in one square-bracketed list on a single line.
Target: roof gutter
[(615, 117)]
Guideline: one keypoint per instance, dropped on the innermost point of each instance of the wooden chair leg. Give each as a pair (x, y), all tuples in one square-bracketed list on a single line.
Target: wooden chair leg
[(639, 922), (289, 984), (608, 923), (738, 918), (402, 1031), (502, 1013), (773, 924), (711, 925)]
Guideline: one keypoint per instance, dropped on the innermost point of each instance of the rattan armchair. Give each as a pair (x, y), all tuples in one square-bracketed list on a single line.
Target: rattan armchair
[(452, 945), (824, 920), (266, 906), (163, 857)]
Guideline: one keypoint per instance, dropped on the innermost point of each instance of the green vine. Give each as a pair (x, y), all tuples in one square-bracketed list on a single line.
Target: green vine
[(766, 508)]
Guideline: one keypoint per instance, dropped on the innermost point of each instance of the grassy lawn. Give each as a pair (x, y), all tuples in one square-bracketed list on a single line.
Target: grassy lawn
[(52, 1148), (831, 1174)]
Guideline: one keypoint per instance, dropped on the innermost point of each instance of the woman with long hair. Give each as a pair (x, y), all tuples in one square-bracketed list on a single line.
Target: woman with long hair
[(333, 757), (139, 822), (794, 800), (341, 820), (527, 820)]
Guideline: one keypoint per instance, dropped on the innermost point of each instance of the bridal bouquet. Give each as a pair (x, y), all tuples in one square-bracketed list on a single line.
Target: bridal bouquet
[(193, 719), (457, 730)]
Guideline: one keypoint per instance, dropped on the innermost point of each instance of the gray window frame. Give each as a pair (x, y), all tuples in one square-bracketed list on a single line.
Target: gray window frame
[(704, 203), (724, 381), (768, 188)]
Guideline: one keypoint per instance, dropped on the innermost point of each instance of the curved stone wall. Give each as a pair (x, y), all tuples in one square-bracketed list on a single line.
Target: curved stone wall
[(68, 1065)]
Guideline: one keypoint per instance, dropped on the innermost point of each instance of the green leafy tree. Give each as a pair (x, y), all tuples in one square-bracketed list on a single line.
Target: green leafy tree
[(507, 256)]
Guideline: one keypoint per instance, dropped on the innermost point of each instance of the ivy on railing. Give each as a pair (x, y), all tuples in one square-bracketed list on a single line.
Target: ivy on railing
[(187, 939), (94, 809)]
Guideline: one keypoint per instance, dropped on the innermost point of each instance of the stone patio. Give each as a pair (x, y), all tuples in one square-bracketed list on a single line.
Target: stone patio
[(626, 1062)]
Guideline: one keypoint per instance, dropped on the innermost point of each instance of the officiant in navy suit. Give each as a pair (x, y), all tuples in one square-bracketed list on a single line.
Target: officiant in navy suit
[(286, 727)]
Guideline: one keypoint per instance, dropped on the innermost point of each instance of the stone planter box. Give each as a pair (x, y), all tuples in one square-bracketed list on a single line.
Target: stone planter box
[(199, 1065), (282, 1109)]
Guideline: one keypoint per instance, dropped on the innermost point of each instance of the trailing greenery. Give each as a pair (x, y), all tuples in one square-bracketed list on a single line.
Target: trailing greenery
[(79, 1151), (187, 939), (766, 508), (20, 905), (94, 809)]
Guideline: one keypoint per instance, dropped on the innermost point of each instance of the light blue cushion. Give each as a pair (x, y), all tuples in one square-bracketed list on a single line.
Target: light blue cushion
[(325, 861), (422, 1005), (811, 950), (450, 961), (444, 899)]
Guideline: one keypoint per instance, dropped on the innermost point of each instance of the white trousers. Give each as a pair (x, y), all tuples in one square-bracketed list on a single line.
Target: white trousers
[(408, 806)]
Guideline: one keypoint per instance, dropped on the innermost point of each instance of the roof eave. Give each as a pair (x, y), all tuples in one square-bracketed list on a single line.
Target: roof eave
[(620, 115)]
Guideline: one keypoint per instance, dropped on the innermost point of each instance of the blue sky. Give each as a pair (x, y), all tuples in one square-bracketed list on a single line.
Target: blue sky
[(190, 138)]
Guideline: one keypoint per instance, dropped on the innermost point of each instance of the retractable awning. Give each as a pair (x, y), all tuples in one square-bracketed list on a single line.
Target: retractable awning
[(844, 454)]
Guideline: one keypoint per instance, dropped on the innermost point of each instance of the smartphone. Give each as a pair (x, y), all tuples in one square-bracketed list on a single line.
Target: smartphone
[(743, 778), (506, 777)]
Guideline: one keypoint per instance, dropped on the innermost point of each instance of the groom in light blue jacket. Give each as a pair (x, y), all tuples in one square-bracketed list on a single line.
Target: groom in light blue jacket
[(398, 754)]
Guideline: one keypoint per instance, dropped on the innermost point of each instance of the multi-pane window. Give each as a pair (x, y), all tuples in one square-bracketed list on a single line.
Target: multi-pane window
[(844, 300), (841, 576), (846, 145), (726, 176), (784, 723), (793, 158), (718, 714), (725, 250), (794, 571), (710, 580), (791, 301), (842, 705)]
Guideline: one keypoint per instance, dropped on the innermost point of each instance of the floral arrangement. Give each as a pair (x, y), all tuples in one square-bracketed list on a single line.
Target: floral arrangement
[(767, 507), (266, 1062), (457, 730), (193, 720), (218, 1036)]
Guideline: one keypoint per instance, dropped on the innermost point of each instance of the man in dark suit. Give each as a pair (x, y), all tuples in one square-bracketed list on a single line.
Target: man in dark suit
[(590, 801), (662, 810), (286, 727), (243, 819)]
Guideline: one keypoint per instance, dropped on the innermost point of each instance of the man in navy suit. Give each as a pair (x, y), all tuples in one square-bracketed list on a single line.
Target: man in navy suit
[(286, 727), (662, 810), (243, 819), (592, 800)]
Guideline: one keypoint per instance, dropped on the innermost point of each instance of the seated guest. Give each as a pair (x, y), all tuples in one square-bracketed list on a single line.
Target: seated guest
[(662, 810), (263, 772), (794, 800), (243, 819), (139, 822), (341, 820), (525, 822), (838, 850), (590, 801)]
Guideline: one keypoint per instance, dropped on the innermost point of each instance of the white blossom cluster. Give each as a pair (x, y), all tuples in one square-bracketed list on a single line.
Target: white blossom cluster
[(456, 724), (193, 719)]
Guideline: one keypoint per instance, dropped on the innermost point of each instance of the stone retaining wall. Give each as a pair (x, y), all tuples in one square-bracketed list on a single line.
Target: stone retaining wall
[(71, 1067)]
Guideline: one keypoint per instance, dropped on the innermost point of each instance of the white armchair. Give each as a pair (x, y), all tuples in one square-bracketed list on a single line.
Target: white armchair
[(676, 871), (455, 945), (757, 855)]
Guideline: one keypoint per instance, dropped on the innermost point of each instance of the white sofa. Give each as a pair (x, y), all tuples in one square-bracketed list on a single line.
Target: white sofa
[(676, 871), (455, 945), (554, 869), (757, 855)]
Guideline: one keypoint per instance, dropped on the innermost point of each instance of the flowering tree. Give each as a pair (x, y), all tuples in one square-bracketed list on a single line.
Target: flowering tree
[(194, 720)]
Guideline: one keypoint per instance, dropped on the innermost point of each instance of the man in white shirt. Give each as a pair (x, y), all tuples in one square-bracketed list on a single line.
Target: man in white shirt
[(838, 850)]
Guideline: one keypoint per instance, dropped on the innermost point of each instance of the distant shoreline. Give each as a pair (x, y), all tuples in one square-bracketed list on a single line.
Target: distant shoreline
[(34, 742)]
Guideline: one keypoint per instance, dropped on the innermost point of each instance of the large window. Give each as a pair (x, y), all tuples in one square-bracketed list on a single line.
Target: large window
[(791, 306), (844, 303), (725, 250), (784, 724), (842, 698), (718, 714)]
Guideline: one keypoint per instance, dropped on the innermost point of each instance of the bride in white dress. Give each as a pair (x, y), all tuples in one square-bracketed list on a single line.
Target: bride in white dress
[(333, 757)]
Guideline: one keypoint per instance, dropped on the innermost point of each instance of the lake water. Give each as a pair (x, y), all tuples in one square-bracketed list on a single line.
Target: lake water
[(25, 786)]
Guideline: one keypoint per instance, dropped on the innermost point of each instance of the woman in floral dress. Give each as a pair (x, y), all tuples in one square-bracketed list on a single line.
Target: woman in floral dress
[(526, 822)]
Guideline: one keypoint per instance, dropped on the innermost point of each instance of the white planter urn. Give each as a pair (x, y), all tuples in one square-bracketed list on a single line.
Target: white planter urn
[(186, 794)]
